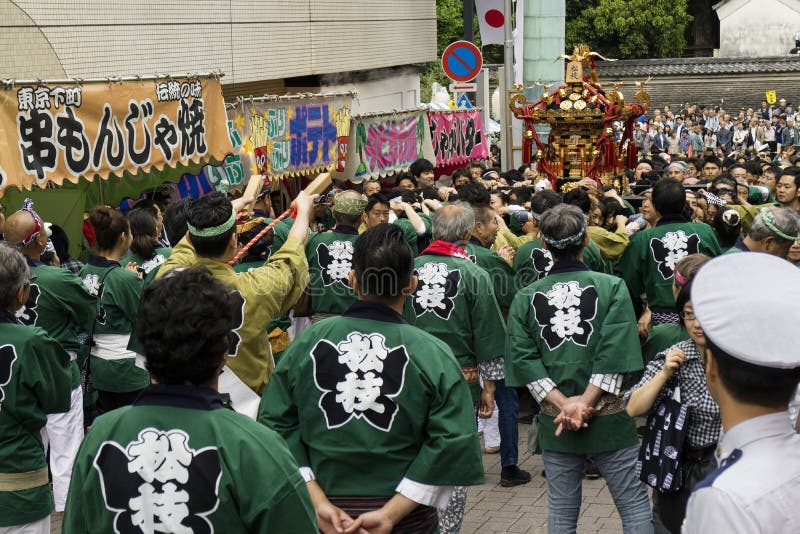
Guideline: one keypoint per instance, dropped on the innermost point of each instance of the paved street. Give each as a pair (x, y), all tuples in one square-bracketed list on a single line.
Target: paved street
[(492, 508)]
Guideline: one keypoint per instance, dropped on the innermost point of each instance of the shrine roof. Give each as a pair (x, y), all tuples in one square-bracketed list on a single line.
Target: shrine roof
[(695, 66)]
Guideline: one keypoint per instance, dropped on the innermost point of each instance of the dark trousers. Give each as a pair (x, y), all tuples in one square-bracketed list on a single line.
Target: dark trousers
[(109, 400), (508, 404), (669, 509)]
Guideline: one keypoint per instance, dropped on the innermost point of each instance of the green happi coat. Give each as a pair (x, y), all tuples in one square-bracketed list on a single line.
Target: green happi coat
[(649, 260), (532, 261), (498, 269), (114, 367), (454, 301), (59, 304), (366, 400), (568, 326), (177, 461), (35, 380), (149, 267), (329, 256), (266, 293)]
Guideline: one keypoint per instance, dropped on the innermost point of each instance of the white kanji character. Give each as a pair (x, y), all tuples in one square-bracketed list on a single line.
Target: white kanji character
[(59, 95), (338, 270), (160, 512), (674, 256), (567, 322), (42, 98), (160, 456), (341, 250), (162, 91), (431, 296), (74, 96), (174, 90), (363, 353), (675, 240), (92, 284), (564, 296), (433, 274), (359, 395), (25, 98)]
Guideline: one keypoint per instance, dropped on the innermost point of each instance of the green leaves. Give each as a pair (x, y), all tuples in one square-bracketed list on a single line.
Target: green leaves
[(627, 29)]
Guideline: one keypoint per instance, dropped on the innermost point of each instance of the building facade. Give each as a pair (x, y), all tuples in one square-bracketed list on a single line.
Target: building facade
[(262, 46), (757, 28)]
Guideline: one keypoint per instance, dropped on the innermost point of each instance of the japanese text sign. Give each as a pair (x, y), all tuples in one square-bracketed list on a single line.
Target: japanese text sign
[(457, 137), (57, 132), (290, 138), (385, 144)]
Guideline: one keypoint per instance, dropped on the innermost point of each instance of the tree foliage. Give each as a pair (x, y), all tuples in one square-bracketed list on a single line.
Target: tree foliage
[(627, 29)]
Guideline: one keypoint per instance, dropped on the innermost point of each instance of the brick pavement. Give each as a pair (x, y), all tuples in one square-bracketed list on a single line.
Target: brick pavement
[(492, 508)]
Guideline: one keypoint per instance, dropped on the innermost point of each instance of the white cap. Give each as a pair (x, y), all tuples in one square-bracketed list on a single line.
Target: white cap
[(746, 304)]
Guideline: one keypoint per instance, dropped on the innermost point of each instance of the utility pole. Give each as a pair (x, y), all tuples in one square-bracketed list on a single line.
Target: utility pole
[(508, 86), (469, 20)]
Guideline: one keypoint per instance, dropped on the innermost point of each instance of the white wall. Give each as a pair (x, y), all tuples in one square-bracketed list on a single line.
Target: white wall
[(758, 28), (386, 91), (249, 40)]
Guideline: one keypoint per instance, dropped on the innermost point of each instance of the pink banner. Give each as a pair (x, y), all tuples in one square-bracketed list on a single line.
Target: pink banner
[(457, 137)]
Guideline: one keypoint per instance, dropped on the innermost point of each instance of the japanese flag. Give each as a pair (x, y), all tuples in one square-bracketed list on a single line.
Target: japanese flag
[(491, 20)]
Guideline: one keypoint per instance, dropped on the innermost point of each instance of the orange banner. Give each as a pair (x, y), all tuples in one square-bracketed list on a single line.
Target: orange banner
[(55, 132)]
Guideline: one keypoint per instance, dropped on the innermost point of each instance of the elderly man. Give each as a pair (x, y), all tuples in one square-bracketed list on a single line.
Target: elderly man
[(752, 369), (455, 302), (177, 460), (264, 293), (773, 231), (374, 410), (571, 339), (58, 303), (678, 171), (35, 380), (648, 264), (329, 255)]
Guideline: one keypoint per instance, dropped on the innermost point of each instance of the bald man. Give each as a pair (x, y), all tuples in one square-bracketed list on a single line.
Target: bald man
[(330, 255), (60, 305)]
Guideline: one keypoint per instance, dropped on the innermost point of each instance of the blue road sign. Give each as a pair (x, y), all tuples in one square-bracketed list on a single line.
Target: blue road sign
[(462, 61)]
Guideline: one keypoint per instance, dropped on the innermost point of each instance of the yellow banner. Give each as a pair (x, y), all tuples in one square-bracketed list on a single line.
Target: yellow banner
[(55, 132)]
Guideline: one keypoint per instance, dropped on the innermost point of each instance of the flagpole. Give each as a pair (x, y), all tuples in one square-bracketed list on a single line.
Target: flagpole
[(508, 78)]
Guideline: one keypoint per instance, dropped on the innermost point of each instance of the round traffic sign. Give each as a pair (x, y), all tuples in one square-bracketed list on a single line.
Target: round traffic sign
[(462, 61)]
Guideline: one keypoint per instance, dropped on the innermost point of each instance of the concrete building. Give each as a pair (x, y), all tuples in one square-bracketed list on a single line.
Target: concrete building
[(262, 46), (757, 28)]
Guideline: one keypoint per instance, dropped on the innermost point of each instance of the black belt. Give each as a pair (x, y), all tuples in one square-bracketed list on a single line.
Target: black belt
[(693, 455)]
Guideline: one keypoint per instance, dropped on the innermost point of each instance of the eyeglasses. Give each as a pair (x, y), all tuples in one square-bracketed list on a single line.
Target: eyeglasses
[(688, 316)]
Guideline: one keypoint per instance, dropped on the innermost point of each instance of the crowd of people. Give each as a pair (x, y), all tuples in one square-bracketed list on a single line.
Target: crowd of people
[(213, 366), (699, 131)]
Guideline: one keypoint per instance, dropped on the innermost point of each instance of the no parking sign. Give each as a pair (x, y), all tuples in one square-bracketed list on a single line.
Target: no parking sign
[(462, 61)]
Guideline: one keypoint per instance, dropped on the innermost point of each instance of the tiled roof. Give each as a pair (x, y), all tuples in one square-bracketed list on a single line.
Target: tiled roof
[(696, 66)]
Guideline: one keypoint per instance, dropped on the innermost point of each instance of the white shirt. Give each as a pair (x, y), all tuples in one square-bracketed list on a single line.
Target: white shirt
[(757, 487)]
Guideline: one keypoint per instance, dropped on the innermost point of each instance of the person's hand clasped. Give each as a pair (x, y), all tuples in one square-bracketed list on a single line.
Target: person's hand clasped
[(575, 414), (333, 520)]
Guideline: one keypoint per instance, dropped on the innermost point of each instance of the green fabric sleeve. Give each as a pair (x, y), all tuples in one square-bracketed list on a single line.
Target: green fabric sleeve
[(409, 232), (523, 357), (48, 375), (291, 510), (126, 293), (450, 455), (77, 299), (488, 328), (629, 266), (618, 350), (709, 244), (278, 409)]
